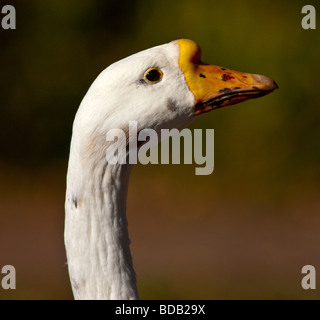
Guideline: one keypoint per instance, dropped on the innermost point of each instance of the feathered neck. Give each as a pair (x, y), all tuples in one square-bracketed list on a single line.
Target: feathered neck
[(96, 231)]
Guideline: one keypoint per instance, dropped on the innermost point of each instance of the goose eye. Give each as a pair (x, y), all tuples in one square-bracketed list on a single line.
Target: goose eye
[(153, 75)]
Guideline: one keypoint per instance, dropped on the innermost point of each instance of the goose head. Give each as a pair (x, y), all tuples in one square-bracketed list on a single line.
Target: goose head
[(167, 86)]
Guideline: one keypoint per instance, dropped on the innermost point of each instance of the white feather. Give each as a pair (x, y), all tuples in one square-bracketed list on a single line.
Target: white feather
[(96, 236)]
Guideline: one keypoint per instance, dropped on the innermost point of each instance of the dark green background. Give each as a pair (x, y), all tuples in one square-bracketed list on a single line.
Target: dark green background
[(243, 232)]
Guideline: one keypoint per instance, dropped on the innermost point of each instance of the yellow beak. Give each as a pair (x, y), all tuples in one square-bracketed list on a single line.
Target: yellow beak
[(215, 87)]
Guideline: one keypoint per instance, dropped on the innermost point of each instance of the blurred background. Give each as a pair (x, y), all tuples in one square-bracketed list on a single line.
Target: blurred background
[(243, 232)]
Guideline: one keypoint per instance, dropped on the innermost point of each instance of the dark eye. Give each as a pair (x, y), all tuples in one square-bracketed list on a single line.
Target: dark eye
[(153, 75)]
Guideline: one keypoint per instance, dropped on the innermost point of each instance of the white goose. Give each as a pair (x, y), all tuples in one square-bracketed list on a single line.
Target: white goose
[(163, 87)]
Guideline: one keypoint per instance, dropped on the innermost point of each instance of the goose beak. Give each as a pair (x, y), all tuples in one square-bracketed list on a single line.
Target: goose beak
[(216, 87)]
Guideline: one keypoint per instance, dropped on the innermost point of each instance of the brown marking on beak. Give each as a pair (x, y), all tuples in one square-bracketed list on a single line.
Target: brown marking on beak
[(216, 87), (227, 88)]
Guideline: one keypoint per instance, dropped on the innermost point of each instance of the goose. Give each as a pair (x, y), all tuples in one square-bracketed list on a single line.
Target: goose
[(164, 87)]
